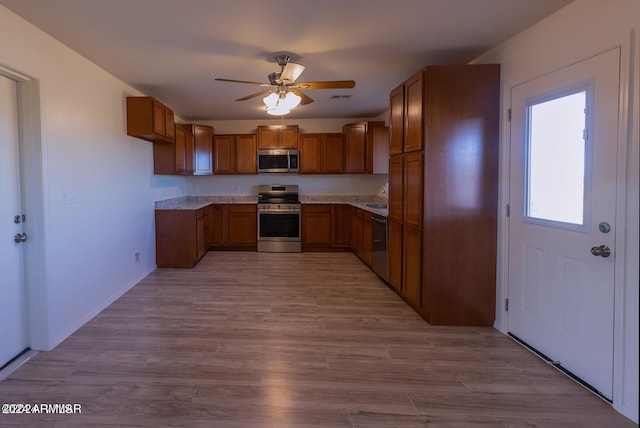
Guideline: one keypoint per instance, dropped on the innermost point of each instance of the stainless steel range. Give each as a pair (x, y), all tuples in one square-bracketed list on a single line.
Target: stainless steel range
[(279, 213)]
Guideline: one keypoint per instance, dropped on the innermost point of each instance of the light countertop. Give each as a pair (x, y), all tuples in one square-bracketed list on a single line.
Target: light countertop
[(197, 202)]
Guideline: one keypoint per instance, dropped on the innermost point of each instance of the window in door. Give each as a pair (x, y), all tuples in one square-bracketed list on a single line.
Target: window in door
[(557, 160)]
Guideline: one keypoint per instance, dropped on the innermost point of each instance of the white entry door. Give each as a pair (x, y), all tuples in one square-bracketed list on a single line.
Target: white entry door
[(562, 216), (13, 332)]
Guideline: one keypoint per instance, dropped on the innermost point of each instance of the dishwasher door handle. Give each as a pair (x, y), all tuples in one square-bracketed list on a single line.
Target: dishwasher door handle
[(381, 220)]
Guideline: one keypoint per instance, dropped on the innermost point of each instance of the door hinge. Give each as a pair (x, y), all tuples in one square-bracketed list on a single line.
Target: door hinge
[(506, 305), (508, 210), (585, 135), (509, 114)]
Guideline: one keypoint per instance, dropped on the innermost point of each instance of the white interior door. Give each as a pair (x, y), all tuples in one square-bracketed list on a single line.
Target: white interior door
[(562, 222), (13, 332)]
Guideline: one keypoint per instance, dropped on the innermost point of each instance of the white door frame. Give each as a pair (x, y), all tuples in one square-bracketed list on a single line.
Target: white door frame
[(33, 179), (626, 247)]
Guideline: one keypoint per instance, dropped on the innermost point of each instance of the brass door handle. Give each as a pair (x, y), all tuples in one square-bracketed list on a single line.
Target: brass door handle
[(602, 251)]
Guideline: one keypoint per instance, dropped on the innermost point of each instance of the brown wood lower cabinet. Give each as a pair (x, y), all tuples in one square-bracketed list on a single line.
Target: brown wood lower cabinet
[(325, 227), (412, 267), (394, 246), (233, 226), (180, 237), (316, 227)]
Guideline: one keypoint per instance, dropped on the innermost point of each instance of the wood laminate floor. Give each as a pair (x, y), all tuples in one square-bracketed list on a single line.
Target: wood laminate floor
[(290, 340)]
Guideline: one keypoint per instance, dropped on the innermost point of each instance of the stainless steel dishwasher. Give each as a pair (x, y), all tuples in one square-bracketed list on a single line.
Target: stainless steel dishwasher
[(379, 245)]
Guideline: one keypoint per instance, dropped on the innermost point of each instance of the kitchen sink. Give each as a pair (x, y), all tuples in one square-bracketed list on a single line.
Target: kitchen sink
[(375, 205)]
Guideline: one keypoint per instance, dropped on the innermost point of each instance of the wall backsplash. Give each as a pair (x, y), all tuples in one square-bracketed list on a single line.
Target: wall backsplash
[(247, 185)]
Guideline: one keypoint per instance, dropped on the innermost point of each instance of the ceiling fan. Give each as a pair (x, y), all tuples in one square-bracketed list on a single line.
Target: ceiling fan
[(283, 91)]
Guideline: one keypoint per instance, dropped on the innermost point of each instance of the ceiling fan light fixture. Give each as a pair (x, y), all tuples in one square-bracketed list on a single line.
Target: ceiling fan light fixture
[(279, 104)]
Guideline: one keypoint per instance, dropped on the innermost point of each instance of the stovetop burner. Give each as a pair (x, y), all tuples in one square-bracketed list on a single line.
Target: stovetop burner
[(278, 194)]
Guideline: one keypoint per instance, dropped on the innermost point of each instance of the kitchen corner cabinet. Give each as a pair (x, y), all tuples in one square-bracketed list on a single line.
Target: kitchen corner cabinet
[(235, 154), (189, 154), (321, 153), (175, 158), (358, 137), (180, 237), (277, 137), (443, 192), (149, 119)]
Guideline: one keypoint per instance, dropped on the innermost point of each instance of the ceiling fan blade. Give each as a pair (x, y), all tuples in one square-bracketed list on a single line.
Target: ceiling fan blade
[(329, 84), (243, 81), (291, 72), (305, 99), (257, 94)]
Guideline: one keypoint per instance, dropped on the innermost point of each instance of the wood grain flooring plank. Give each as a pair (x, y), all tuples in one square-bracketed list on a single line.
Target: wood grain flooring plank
[(250, 339)]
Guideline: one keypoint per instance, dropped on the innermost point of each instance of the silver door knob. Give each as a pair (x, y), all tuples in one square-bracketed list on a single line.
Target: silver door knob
[(602, 251), (20, 237)]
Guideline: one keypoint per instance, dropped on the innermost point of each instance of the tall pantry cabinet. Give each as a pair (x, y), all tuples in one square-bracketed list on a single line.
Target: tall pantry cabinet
[(443, 186)]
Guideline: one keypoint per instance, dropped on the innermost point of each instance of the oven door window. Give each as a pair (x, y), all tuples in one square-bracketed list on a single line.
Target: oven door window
[(279, 225)]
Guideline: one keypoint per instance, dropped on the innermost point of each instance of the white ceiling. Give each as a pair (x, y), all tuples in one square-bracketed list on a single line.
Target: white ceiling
[(173, 49)]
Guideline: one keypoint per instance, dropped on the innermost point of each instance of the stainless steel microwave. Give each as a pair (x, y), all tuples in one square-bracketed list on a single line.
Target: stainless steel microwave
[(285, 160)]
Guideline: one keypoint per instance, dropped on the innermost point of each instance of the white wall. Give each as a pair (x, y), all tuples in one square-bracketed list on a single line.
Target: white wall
[(580, 30), (89, 238)]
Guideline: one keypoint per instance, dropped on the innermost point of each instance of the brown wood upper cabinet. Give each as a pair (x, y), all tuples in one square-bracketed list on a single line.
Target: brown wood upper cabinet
[(358, 139), (278, 137), (405, 116), (235, 154), (190, 153), (321, 153), (149, 119), (396, 121), (203, 149)]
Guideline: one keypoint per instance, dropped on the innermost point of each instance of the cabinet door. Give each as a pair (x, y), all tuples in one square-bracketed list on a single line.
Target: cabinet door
[(395, 255), (289, 137), (367, 239), (183, 152), (159, 118), (268, 137), (224, 154), (218, 226), (316, 226), (333, 154), (169, 124), (341, 226), (414, 94), (357, 233), (200, 233), (310, 153), (377, 150), (242, 225), (246, 154), (413, 190), (208, 218), (396, 121), (396, 188), (203, 150), (412, 266), (354, 148)]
